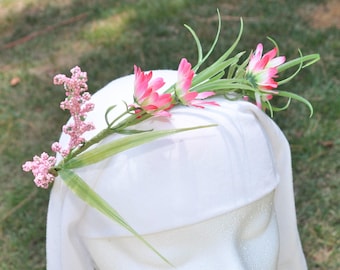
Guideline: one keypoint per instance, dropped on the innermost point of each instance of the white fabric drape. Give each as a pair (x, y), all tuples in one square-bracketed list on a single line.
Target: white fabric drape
[(174, 184)]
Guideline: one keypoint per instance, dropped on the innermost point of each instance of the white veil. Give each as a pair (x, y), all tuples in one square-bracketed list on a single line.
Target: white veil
[(179, 180)]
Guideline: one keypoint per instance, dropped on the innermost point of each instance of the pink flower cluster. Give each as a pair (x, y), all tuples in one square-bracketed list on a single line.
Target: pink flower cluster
[(40, 167), (148, 99), (77, 102), (261, 72)]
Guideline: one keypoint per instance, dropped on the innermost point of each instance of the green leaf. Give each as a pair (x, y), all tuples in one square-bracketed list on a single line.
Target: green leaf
[(233, 46), (294, 74), (297, 97), (307, 59), (278, 109), (198, 45), (104, 151), (108, 110), (214, 69), (200, 59), (80, 188), (223, 85), (131, 131)]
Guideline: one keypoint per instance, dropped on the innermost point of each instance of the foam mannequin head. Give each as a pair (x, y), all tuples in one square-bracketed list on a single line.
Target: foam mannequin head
[(206, 199)]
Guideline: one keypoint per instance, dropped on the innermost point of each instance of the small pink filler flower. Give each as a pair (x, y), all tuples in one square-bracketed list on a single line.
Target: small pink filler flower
[(40, 167), (262, 70), (146, 97), (77, 101), (183, 85)]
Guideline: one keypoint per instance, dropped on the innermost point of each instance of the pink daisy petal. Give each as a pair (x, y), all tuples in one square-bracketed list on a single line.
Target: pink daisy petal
[(205, 95)]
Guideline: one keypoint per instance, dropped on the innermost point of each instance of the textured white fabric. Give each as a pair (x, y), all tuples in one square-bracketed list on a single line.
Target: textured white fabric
[(214, 198), (246, 238)]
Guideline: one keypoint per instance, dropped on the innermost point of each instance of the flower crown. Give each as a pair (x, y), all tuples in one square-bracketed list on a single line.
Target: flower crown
[(252, 80)]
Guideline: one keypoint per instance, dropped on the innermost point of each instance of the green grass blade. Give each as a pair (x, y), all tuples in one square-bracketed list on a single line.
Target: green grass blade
[(104, 151), (233, 46), (198, 45), (299, 98), (212, 70), (224, 85), (80, 188), (307, 59), (200, 59)]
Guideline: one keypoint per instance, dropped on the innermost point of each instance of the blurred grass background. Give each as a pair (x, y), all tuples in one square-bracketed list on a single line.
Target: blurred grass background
[(39, 39)]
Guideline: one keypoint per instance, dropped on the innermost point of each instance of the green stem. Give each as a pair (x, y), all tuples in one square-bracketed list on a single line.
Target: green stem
[(129, 121)]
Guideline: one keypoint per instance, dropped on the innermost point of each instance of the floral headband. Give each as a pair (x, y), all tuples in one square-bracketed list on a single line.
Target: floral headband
[(254, 80)]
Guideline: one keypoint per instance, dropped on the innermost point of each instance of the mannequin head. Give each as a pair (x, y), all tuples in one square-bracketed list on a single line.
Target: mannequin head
[(203, 198), (246, 238)]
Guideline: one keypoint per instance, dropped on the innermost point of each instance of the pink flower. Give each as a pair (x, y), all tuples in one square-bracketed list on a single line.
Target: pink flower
[(146, 97), (261, 72), (183, 85), (40, 167), (77, 102), (77, 82)]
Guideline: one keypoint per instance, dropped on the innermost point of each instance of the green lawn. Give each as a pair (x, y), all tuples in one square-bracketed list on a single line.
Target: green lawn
[(39, 39)]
